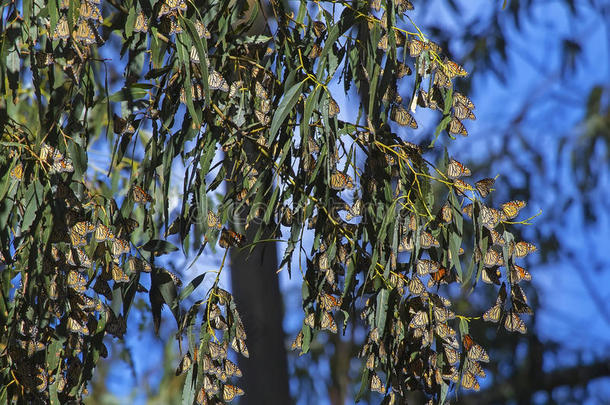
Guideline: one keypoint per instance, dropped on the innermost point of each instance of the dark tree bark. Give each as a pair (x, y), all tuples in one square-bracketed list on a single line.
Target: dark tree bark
[(257, 293)]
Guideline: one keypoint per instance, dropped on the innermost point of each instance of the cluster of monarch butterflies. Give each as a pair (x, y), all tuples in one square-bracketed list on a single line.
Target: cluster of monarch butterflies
[(427, 55), (83, 255), (224, 329), (86, 27)]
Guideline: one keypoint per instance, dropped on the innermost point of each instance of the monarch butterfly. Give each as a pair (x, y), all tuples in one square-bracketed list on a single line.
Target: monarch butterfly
[(403, 117), (493, 313), (443, 330), (333, 107), (74, 326), (416, 286), (523, 248), (456, 127), (263, 118), (260, 90), (438, 277), (474, 368), (62, 31), (120, 246), (513, 323), (210, 386), (217, 351), (231, 369), (83, 228), (310, 320), (118, 275), (443, 314), (297, 343), (141, 23), (213, 220), (459, 98), (319, 28), (406, 244), (229, 392), (230, 239), (83, 259), (171, 5), (446, 213), (340, 181), (493, 258), (175, 28), (202, 31), (217, 82), (243, 349), (496, 238), (491, 275), (76, 239), (392, 95), (327, 322), (17, 172), (376, 384), (415, 47), (207, 364), (511, 209), (202, 398), (452, 355), (175, 279), (433, 100), (139, 195), (453, 69), (102, 233), (426, 240), (240, 332), (88, 11), (235, 87), (442, 80), (355, 210), (328, 302), (41, 380), (62, 166), (402, 70), (84, 33), (477, 353), (461, 112), (370, 362), (185, 364), (219, 373), (31, 346), (47, 151), (403, 6), (456, 170), (518, 273), (427, 266), (194, 57), (286, 216), (490, 218), (461, 186), (517, 294), (419, 320), (484, 186)]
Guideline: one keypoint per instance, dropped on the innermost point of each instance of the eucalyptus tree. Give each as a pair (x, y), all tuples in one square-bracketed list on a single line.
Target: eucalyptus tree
[(178, 86)]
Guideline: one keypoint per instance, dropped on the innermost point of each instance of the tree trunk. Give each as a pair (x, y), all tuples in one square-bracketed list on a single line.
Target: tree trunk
[(257, 293)]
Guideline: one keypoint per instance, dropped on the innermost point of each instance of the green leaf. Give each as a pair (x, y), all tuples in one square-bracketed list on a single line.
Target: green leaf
[(381, 310), (159, 247), (188, 290), (286, 106)]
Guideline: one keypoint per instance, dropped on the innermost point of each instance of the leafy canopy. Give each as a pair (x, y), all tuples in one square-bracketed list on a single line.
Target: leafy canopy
[(178, 87)]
